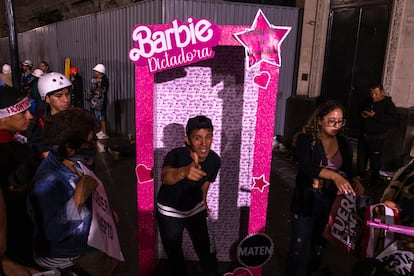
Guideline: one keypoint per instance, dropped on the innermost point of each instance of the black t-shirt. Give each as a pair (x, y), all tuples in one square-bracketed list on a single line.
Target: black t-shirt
[(186, 194), (17, 167)]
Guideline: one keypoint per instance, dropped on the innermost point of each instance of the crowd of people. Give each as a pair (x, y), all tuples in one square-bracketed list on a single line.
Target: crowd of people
[(47, 137), (96, 94), (47, 192)]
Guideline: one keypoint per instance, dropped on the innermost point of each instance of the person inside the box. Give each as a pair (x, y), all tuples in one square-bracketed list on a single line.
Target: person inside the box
[(324, 167)]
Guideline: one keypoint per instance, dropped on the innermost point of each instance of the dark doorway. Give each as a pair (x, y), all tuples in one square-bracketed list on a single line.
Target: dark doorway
[(355, 52)]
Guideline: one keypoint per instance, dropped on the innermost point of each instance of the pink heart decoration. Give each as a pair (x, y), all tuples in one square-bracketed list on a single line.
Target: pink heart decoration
[(240, 271), (144, 174), (262, 79)]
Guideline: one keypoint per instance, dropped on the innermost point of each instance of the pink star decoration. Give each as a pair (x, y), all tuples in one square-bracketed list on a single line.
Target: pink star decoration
[(260, 183), (262, 41)]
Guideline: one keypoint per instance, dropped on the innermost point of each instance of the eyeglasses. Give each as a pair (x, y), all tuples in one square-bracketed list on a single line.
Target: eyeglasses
[(336, 123)]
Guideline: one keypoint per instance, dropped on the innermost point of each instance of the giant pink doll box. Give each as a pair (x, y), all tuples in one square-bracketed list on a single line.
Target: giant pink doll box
[(230, 74)]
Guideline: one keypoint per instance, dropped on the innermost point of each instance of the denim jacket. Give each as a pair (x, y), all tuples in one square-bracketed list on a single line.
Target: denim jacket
[(60, 229)]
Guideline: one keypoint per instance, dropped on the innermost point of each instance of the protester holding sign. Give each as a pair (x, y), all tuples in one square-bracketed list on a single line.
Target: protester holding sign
[(186, 175), (61, 202), (325, 161)]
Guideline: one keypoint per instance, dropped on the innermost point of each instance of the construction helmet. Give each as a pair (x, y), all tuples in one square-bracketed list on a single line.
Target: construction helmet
[(99, 68), (52, 82), (37, 73), (73, 70), (27, 62)]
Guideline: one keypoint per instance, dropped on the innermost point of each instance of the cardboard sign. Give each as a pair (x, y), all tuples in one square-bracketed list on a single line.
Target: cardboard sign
[(344, 227), (103, 234), (396, 260)]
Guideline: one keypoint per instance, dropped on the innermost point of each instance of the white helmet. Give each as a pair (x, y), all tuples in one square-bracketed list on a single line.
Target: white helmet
[(6, 69), (37, 73), (99, 68), (52, 82), (27, 62)]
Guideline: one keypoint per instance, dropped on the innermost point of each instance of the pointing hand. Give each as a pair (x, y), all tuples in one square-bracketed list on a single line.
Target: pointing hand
[(193, 171)]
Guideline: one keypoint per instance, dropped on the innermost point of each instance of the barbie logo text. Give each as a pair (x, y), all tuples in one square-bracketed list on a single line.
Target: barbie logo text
[(177, 45)]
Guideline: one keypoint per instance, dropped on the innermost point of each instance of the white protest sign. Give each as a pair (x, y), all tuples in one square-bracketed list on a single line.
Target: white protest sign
[(396, 260), (103, 234)]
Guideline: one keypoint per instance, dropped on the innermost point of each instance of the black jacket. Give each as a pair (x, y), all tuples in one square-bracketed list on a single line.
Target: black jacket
[(385, 117), (309, 161)]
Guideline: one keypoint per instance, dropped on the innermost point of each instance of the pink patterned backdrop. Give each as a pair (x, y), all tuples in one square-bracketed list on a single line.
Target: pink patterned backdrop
[(219, 89)]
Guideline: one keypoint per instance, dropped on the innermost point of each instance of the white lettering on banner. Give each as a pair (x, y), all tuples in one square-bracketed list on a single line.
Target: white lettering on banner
[(160, 41), (102, 234), (157, 64), (255, 250), (178, 45), (345, 227)]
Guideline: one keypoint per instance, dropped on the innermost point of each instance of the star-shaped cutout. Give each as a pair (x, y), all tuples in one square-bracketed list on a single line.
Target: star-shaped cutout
[(260, 183), (262, 41)]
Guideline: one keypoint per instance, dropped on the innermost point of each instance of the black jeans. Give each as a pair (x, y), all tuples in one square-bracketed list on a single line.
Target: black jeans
[(370, 148), (308, 229), (171, 231)]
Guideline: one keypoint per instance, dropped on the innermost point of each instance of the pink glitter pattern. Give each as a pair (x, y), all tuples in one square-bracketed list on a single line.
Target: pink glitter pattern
[(262, 41)]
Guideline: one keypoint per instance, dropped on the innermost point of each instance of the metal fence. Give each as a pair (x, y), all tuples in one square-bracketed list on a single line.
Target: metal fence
[(105, 38)]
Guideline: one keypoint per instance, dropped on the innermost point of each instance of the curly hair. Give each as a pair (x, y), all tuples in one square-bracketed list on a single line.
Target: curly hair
[(68, 128), (312, 127)]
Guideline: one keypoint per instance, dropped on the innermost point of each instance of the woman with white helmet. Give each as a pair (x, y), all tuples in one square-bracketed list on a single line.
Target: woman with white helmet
[(54, 89), (98, 99)]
